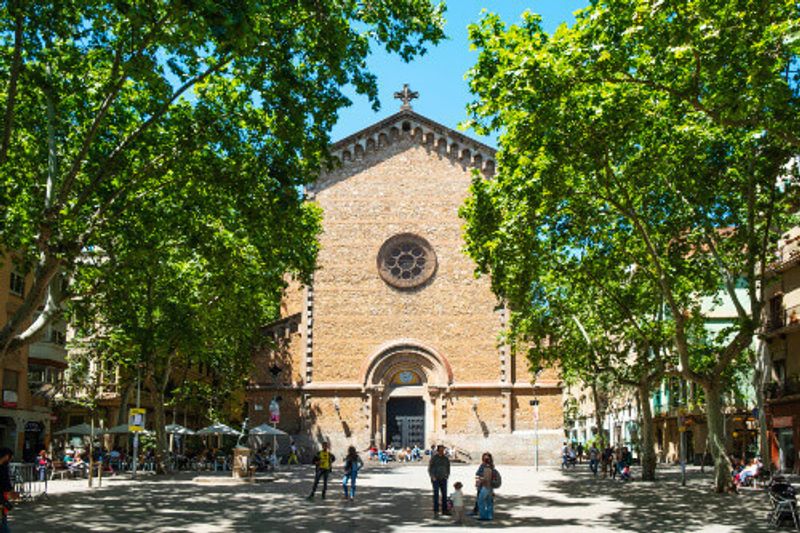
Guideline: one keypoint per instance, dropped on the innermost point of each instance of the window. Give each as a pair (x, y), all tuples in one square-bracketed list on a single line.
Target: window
[(17, 284), (406, 261), (37, 375), (776, 312), (10, 384)]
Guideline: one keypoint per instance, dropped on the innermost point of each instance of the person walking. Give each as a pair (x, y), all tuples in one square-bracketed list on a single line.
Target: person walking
[(439, 471), (352, 464), (483, 478), (323, 461), (594, 456), (292, 455), (6, 486), (608, 458)]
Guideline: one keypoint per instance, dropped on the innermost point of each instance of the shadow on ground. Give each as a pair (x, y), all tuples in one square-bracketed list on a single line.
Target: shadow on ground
[(558, 504), (667, 507)]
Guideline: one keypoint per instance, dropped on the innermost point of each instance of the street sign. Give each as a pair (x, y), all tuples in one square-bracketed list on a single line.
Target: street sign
[(136, 419)]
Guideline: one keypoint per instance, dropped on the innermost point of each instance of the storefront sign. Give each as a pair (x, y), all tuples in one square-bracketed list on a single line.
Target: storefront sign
[(782, 422), (33, 427)]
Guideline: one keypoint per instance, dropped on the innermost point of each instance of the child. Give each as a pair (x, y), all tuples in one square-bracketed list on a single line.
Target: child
[(458, 503)]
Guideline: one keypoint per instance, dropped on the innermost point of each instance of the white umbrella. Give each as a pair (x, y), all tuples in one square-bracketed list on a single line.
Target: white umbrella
[(120, 430), (217, 429), (267, 430), (177, 429), (81, 429)]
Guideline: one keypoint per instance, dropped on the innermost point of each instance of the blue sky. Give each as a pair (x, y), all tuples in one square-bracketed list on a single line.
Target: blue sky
[(439, 74)]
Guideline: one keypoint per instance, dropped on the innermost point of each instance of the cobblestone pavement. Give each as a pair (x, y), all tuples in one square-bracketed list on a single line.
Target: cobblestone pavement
[(393, 498)]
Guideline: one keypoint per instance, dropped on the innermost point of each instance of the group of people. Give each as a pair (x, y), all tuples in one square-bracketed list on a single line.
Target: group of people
[(400, 454), (323, 466), (613, 462), (487, 479), (743, 473)]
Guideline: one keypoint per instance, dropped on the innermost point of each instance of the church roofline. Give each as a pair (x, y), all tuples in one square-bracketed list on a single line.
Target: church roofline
[(408, 124)]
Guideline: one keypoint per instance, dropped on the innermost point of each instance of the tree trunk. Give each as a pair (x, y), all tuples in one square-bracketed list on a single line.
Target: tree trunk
[(159, 420), (760, 383), (599, 414), (122, 412), (715, 418), (647, 433)]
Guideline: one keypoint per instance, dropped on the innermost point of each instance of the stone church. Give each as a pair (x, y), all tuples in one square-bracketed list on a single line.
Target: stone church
[(395, 341)]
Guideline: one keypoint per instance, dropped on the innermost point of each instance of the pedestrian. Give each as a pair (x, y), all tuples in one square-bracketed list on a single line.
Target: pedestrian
[(6, 486), (580, 452), (594, 455), (565, 449), (458, 503), (292, 455), (617, 466), (352, 464), (608, 457), (323, 461), (484, 478), (439, 471), (43, 464)]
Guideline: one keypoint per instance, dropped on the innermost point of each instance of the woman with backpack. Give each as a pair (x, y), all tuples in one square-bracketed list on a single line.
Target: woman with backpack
[(486, 479), (352, 464)]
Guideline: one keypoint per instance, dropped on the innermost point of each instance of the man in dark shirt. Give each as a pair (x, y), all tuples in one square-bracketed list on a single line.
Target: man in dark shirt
[(439, 471), (6, 486)]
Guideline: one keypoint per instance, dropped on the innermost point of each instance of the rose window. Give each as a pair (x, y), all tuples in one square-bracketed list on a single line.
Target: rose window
[(406, 261)]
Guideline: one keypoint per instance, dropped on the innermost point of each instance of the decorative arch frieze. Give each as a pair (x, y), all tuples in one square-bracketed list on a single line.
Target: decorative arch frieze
[(408, 125), (394, 356)]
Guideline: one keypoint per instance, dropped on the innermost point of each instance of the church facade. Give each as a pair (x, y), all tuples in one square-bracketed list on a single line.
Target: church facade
[(396, 341)]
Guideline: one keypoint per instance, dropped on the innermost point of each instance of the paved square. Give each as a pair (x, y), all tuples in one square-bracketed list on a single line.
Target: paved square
[(394, 498)]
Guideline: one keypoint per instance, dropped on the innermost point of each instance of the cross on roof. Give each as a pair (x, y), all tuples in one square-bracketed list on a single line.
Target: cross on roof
[(406, 96)]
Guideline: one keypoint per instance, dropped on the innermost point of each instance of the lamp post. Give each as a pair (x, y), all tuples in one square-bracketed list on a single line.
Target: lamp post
[(274, 408), (535, 405)]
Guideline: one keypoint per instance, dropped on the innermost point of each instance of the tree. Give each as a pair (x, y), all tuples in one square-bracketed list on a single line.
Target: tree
[(583, 306), (698, 203), (197, 290), (100, 100)]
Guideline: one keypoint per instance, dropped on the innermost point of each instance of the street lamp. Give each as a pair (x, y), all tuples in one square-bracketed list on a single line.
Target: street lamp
[(535, 405)]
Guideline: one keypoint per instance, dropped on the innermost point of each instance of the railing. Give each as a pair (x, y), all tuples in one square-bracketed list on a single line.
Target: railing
[(786, 317), (775, 391), (29, 481)]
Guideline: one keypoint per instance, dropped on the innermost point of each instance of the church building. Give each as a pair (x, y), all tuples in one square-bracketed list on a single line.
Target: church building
[(396, 341)]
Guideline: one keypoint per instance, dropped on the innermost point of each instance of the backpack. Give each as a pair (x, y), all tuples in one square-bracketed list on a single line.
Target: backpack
[(497, 479)]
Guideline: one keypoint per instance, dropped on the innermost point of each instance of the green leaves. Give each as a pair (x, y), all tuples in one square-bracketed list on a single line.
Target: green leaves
[(120, 104)]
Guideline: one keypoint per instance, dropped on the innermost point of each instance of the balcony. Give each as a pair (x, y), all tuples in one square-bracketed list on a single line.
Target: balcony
[(778, 391), (50, 347), (783, 320)]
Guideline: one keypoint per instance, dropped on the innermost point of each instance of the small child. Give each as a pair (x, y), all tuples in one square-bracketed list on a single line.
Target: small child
[(458, 503)]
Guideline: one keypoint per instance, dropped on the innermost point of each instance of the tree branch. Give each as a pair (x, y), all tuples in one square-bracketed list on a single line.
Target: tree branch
[(16, 68)]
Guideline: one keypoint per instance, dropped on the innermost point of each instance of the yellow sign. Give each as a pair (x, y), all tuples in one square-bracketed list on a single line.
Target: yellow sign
[(136, 420)]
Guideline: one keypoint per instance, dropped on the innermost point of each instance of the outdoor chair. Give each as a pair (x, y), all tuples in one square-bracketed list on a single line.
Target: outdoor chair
[(784, 507)]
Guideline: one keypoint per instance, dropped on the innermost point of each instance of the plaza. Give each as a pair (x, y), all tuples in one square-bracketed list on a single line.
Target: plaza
[(396, 498)]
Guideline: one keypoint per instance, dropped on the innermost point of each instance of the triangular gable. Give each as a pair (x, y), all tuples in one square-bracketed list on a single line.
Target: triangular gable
[(407, 125)]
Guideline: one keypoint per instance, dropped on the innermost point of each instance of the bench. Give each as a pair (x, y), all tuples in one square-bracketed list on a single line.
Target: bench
[(60, 470)]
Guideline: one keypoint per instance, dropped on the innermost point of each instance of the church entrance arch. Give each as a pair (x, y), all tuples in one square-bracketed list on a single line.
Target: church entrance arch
[(404, 382)]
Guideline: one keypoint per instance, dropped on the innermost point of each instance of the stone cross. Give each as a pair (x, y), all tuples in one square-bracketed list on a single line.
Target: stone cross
[(406, 96)]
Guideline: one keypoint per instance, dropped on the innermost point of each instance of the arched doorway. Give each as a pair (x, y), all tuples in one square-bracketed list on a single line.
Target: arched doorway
[(405, 382)]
